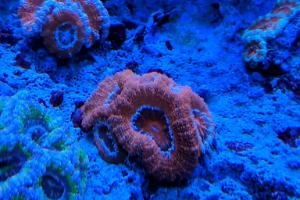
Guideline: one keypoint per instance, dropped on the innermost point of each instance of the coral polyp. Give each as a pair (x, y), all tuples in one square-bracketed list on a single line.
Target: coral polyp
[(39, 159), (164, 125), (99, 103), (37, 123), (277, 30), (52, 185), (62, 178), (255, 50), (11, 162), (106, 143), (64, 32), (285, 6), (66, 26), (27, 12), (93, 118), (16, 165), (98, 19)]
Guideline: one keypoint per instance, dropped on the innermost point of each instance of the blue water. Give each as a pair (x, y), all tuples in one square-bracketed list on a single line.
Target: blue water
[(197, 43)]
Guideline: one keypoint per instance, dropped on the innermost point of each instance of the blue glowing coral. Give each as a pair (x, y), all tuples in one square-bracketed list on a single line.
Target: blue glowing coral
[(270, 40), (34, 121), (18, 168), (64, 176), (66, 25), (39, 158)]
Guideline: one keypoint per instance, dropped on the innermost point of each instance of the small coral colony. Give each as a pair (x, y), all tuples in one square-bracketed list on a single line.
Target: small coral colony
[(165, 127)]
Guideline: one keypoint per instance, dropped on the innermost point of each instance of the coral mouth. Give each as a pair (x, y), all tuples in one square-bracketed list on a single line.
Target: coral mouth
[(153, 122), (11, 163), (107, 144), (53, 185), (66, 35), (36, 129)]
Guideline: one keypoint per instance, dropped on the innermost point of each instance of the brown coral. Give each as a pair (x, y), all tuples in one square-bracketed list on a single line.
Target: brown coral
[(66, 26), (164, 125), (259, 38), (27, 12), (93, 117), (266, 24)]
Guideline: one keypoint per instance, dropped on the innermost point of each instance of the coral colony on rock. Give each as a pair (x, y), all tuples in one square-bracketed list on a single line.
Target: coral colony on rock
[(65, 25), (39, 157), (166, 126), (138, 99), (270, 39)]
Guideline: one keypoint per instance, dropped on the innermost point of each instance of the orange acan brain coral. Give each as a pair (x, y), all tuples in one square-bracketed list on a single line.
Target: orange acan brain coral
[(164, 125), (65, 25), (267, 28)]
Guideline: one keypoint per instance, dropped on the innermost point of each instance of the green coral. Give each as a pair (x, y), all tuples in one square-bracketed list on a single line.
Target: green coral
[(39, 151), (18, 168), (62, 179), (35, 121)]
